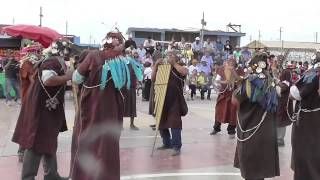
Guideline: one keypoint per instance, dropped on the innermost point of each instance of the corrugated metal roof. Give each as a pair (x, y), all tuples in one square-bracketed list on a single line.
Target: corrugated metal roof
[(284, 44), (195, 30)]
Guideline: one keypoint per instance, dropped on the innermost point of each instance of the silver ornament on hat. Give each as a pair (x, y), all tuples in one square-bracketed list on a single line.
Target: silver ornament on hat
[(261, 76), (262, 64), (259, 70)]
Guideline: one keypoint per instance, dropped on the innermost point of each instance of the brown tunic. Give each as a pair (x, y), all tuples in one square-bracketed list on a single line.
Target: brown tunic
[(26, 72), (37, 127), (306, 134), (171, 113), (225, 111), (282, 110), (151, 100), (130, 102), (101, 115), (257, 157)]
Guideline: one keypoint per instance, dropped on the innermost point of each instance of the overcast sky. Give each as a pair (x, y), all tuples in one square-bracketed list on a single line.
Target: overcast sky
[(299, 19)]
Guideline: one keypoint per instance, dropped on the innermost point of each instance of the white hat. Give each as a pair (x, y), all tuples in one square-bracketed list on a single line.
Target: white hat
[(197, 39), (294, 91)]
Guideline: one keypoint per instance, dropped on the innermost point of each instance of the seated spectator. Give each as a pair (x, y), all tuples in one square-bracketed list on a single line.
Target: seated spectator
[(193, 83), (207, 58), (193, 66), (148, 58), (202, 84), (187, 52)]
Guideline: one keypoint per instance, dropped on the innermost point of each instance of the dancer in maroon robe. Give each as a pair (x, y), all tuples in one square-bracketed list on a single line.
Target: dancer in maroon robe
[(101, 113), (225, 111), (42, 117), (305, 129)]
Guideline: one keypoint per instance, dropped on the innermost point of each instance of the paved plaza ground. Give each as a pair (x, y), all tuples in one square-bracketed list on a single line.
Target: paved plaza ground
[(203, 157)]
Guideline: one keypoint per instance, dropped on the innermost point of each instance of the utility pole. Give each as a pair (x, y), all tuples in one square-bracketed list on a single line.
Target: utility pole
[(40, 15), (281, 33), (90, 39), (66, 28), (250, 38), (316, 37), (259, 35), (203, 23), (13, 21)]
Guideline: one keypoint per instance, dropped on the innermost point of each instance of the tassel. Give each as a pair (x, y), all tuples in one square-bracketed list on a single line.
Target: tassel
[(104, 76), (137, 69), (248, 88)]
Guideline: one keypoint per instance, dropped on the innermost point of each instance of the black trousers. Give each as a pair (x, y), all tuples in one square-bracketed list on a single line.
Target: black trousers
[(31, 165), (193, 89), (205, 89), (147, 87), (231, 129)]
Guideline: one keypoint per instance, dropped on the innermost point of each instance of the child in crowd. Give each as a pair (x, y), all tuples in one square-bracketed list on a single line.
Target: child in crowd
[(193, 83), (147, 80), (202, 84)]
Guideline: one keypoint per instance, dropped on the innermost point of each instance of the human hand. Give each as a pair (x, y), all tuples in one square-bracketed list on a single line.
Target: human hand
[(172, 61), (68, 74), (159, 62)]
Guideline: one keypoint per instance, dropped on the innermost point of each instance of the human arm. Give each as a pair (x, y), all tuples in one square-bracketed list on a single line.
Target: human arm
[(155, 69), (183, 71), (56, 80), (6, 67)]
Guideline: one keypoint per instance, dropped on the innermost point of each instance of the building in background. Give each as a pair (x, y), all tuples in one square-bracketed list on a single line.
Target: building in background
[(165, 35), (292, 51)]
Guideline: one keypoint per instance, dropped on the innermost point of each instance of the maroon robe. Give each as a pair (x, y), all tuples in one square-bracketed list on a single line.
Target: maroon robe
[(306, 135), (225, 111), (171, 113), (258, 157), (130, 102), (101, 116), (38, 128), (282, 110)]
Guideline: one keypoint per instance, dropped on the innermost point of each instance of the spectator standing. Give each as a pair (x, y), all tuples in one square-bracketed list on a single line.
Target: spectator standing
[(196, 48), (219, 46), (228, 48), (208, 45), (142, 52), (149, 44), (11, 70), (130, 43), (147, 81), (246, 54), (182, 45)]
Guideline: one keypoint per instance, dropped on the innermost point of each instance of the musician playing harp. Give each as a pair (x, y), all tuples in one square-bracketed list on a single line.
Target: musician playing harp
[(171, 113)]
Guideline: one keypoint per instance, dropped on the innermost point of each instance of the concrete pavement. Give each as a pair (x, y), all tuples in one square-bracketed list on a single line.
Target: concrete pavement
[(203, 156)]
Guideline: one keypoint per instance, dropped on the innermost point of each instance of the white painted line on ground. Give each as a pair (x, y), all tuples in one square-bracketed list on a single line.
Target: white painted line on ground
[(137, 137), (143, 176)]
